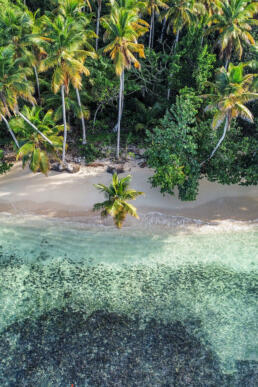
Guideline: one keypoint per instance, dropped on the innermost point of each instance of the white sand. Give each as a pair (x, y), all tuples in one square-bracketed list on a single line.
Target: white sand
[(64, 194)]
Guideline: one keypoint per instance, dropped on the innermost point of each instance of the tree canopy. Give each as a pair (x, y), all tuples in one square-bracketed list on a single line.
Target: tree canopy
[(175, 77)]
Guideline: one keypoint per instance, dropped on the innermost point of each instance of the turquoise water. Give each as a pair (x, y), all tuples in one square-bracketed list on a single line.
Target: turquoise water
[(204, 277)]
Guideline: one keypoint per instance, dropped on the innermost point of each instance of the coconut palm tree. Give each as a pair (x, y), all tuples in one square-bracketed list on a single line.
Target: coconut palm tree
[(123, 27), (183, 13), (35, 150), (18, 28), (233, 20), (153, 7), (66, 54), (73, 9), (209, 6), (230, 92), (14, 86), (116, 205)]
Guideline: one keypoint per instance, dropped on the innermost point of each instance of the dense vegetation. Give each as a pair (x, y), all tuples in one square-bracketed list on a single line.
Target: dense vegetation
[(175, 77)]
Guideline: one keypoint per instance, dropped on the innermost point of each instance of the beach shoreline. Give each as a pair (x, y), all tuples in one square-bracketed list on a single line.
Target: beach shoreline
[(64, 195)]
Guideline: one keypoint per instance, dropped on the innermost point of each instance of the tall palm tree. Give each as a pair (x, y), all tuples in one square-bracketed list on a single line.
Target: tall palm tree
[(14, 86), (183, 13), (231, 91), (66, 54), (233, 20), (153, 8), (123, 27), (73, 9), (116, 205)]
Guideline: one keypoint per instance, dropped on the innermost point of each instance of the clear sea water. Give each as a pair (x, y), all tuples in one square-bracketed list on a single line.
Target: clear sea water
[(205, 274)]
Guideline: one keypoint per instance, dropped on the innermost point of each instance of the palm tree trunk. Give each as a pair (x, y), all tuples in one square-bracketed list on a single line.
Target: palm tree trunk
[(37, 82), (82, 117), (177, 39), (34, 127), (120, 111), (226, 127), (151, 29), (163, 30), (226, 63), (64, 122), (10, 131), (97, 26)]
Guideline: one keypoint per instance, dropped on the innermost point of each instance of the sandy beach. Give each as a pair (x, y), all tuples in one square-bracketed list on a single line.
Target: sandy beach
[(64, 194)]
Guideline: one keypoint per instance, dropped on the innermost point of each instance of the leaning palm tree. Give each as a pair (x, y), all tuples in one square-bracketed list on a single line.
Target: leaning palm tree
[(233, 20), (35, 150), (231, 91), (66, 54), (116, 205), (14, 86), (123, 27)]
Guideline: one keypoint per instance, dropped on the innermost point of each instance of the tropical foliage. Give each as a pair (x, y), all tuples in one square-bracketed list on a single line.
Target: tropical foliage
[(176, 77), (117, 194)]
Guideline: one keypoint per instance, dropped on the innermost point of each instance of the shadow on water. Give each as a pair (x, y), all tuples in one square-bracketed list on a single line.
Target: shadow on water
[(105, 349), (136, 326)]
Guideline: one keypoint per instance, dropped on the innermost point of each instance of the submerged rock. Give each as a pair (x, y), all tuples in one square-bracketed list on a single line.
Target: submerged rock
[(62, 348)]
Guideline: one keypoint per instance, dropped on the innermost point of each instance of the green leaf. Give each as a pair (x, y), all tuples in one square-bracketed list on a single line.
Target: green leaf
[(44, 163), (35, 160)]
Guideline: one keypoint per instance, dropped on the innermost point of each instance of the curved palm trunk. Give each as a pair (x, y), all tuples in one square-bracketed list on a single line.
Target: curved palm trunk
[(64, 122), (82, 117), (10, 131), (120, 112), (226, 127), (37, 82), (97, 26), (35, 128)]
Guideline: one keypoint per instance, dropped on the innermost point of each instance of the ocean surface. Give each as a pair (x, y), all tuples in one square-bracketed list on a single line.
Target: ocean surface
[(169, 302)]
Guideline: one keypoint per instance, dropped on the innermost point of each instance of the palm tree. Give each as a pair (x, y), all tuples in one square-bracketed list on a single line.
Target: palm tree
[(18, 28), (183, 13), (231, 91), (35, 149), (209, 6), (123, 27), (233, 20), (66, 55), (14, 85), (153, 7), (116, 204)]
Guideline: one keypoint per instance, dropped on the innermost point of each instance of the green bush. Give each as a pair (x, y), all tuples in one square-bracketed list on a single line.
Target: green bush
[(4, 167), (90, 152)]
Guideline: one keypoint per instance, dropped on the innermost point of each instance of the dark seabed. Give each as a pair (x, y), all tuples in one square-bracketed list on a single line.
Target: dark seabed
[(100, 307)]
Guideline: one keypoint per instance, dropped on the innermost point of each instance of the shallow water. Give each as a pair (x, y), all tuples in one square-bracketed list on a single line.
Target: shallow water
[(204, 277)]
